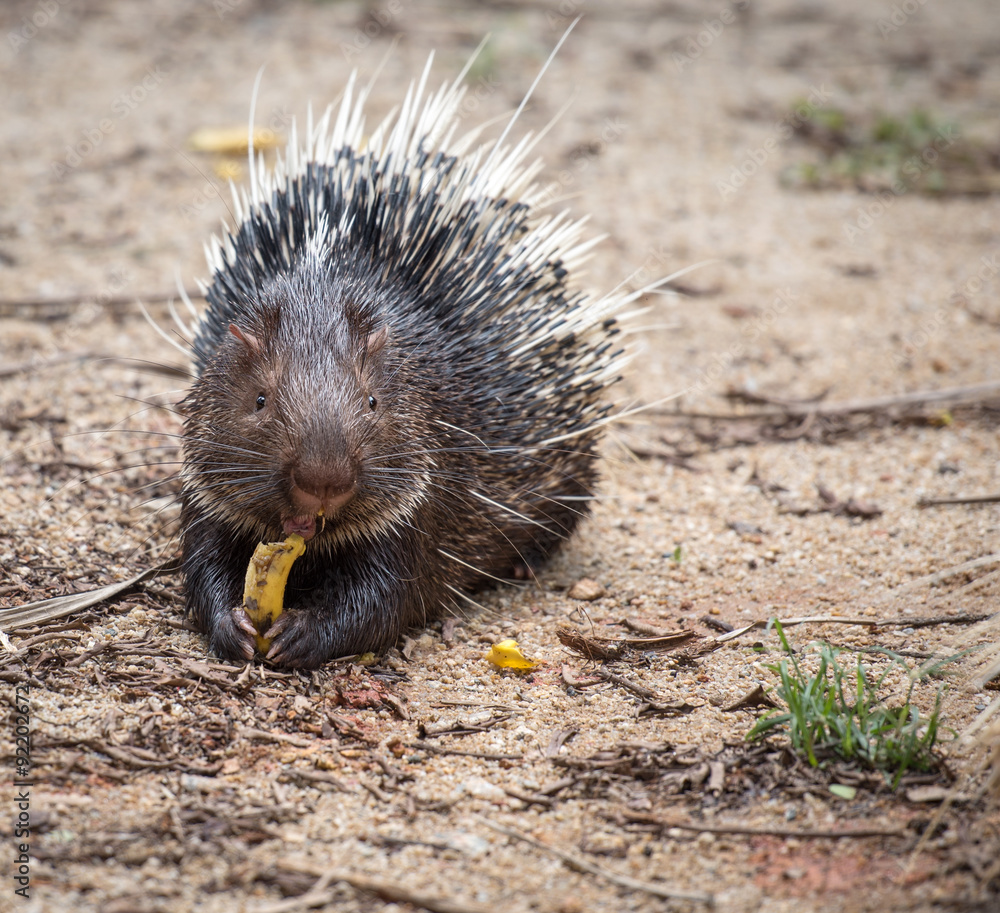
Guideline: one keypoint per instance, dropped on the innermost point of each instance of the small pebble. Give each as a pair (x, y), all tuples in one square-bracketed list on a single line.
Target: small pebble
[(587, 590)]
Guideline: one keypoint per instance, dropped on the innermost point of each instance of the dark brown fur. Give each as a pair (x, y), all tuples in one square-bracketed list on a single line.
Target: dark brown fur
[(348, 377)]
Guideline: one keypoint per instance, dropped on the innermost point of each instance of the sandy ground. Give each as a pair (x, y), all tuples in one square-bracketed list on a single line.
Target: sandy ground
[(166, 781)]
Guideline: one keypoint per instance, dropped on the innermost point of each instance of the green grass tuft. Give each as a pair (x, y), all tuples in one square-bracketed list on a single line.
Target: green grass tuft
[(881, 153), (837, 712)]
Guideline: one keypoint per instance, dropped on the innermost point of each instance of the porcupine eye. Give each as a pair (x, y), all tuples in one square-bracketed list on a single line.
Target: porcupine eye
[(260, 402), (372, 403)]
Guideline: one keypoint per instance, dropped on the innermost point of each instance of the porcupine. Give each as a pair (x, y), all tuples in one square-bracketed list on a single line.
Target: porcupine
[(396, 363)]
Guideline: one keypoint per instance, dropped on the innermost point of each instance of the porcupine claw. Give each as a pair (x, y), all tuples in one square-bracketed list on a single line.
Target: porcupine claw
[(294, 650), (234, 636), (245, 625)]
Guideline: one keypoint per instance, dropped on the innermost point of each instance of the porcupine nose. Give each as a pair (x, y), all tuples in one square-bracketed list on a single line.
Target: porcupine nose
[(318, 489)]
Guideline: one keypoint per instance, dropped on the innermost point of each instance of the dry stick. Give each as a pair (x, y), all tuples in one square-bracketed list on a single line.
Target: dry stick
[(582, 865), (736, 829), (126, 757), (52, 635), (952, 395), (33, 364), (10, 306), (262, 735), (559, 785), (312, 777), (629, 685), (529, 798), (319, 896), (867, 622), (482, 755), (964, 619), (875, 404), (973, 499), (937, 577)]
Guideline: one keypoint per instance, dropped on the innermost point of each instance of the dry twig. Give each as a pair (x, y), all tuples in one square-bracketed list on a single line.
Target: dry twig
[(482, 755), (583, 865), (973, 393), (319, 894), (43, 308), (744, 830), (972, 499), (867, 622)]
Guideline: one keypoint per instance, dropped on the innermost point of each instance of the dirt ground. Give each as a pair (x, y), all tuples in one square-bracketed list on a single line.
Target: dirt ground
[(165, 780)]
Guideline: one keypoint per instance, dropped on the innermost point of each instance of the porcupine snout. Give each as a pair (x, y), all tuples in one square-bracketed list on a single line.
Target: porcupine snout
[(319, 486)]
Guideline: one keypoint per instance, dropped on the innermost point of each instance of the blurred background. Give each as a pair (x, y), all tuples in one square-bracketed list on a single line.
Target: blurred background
[(817, 148), (833, 166)]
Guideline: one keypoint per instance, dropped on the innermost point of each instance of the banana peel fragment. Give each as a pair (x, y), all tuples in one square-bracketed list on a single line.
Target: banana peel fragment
[(507, 655), (264, 588)]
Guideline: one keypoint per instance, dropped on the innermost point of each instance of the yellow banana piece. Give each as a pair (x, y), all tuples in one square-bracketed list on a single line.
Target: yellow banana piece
[(264, 588), (507, 655)]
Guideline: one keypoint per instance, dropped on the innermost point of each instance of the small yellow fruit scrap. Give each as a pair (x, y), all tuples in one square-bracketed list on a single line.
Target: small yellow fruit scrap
[(228, 170), (232, 140), (264, 588), (507, 655)]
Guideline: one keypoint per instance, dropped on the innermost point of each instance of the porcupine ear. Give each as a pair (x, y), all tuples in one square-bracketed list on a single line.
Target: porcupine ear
[(248, 339), (376, 341)]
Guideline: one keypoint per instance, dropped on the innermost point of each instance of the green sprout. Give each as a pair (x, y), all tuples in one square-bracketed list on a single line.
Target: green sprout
[(837, 712)]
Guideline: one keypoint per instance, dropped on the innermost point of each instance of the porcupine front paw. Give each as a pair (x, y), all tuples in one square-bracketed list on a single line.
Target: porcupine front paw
[(299, 640), (234, 636)]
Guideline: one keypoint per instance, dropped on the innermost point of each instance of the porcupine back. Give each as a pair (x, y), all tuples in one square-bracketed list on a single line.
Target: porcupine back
[(497, 359)]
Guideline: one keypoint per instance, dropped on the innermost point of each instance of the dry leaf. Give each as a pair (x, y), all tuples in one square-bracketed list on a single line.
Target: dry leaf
[(32, 613)]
